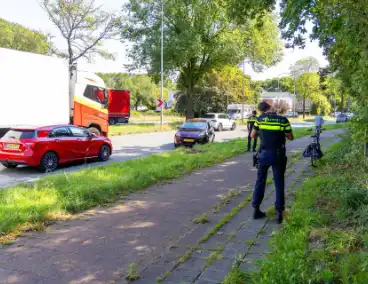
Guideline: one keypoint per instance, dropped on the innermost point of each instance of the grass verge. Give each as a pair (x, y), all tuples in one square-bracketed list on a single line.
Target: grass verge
[(325, 239), (124, 129), (300, 132)]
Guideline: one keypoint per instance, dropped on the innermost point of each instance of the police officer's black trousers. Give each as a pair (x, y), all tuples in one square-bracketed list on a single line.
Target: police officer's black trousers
[(278, 163), (250, 140)]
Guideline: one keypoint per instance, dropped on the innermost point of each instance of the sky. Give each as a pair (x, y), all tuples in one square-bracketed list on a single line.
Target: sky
[(29, 14)]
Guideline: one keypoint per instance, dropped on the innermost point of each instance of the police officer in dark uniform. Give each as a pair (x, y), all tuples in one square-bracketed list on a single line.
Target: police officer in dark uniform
[(273, 131), (250, 123)]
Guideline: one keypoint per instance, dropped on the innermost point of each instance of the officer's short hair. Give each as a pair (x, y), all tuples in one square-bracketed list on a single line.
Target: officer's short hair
[(254, 112), (264, 106)]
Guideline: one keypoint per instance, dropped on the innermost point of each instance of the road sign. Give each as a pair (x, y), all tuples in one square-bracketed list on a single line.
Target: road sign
[(160, 103)]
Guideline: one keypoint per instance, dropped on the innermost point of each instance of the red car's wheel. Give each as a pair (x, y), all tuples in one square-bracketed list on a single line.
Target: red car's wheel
[(105, 153), (49, 162)]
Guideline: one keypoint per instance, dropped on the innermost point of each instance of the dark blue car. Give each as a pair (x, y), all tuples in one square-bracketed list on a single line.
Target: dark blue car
[(194, 131)]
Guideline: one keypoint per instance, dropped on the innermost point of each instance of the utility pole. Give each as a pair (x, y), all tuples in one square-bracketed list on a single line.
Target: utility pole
[(243, 91), (162, 63), (294, 95)]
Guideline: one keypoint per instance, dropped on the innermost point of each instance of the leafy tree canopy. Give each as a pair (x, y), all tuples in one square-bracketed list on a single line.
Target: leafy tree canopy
[(83, 25), (199, 36), (15, 36), (341, 26)]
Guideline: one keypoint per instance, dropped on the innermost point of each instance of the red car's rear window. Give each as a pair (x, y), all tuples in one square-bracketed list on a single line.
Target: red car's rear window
[(20, 134)]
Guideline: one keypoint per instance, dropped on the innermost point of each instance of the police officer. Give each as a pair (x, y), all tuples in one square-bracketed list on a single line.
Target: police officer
[(272, 129), (250, 123)]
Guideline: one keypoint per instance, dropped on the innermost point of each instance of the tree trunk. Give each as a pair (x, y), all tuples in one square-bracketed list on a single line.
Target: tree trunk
[(342, 102), (189, 100), (303, 106)]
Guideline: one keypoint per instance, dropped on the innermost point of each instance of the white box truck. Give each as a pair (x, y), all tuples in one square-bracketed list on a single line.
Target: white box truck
[(39, 90)]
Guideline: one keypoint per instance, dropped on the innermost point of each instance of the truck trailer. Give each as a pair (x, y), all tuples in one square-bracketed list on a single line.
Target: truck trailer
[(39, 90), (119, 106)]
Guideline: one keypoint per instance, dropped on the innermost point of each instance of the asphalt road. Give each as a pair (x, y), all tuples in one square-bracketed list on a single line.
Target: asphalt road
[(125, 147)]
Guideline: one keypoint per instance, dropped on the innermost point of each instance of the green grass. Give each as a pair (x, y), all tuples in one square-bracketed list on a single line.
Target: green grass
[(201, 219), (125, 129), (300, 132), (325, 239), (155, 117)]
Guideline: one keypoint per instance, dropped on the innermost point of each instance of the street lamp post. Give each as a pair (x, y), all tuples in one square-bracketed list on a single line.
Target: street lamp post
[(294, 112), (243, 92), (162, 63)]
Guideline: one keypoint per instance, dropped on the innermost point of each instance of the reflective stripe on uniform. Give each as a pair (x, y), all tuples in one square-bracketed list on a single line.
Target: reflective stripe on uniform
[(272, 127)]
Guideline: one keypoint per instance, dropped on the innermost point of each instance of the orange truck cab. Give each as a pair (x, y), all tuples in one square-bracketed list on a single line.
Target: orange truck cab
[(119, 106), (88, 101)]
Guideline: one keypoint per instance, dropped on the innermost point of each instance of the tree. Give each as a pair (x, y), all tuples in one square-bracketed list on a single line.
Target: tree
[(84, 27), (15, 36), (228, 82), (307, 86), (333, 90), (341, 29), (199, 36), (141, 87), (306, 65), (256, 91)]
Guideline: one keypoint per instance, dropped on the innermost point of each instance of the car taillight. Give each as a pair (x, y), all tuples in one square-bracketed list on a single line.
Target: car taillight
[(29, 146), (1, 145)]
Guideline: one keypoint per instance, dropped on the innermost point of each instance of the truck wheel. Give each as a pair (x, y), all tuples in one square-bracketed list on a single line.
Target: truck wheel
[(49, 162), (105, 153), (94, 130), (9, 165)]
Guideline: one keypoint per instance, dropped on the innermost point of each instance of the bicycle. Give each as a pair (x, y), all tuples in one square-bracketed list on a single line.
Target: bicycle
[(314, 149)]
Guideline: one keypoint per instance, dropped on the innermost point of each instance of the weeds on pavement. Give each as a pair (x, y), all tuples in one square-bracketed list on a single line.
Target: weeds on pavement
[(201, 219), (132, 274)]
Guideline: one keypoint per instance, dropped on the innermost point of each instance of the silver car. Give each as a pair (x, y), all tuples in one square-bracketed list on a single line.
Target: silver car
[(220, 121)]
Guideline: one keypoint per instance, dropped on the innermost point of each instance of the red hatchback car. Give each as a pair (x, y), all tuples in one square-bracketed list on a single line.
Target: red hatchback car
[(47, 147)]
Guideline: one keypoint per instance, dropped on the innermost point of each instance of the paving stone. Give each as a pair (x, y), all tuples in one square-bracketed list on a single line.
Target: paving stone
[(152, 271), (215, 241), (232, 253), (223, 264), (205, 281), (213, 275), (194, 264), (182, 275), (248, 264)]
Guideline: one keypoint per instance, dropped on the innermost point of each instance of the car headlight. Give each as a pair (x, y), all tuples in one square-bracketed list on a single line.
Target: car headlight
[(177, 135)]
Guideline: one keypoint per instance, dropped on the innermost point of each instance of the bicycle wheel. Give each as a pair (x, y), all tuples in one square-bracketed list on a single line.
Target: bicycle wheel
[(313, 157)]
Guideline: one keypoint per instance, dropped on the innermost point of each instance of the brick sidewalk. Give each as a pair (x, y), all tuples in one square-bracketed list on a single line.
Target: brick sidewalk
[(152, 226)]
